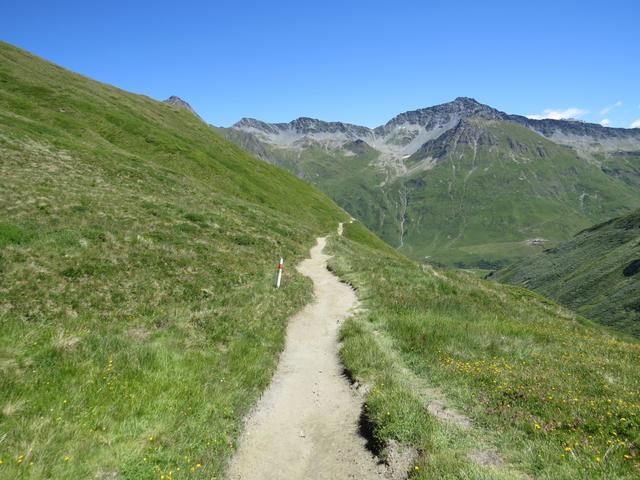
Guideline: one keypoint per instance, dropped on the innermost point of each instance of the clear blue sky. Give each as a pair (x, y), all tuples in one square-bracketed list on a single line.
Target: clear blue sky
[(354, 61)]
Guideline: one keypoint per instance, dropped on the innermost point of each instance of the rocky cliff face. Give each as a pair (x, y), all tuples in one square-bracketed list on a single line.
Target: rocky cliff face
[(440, 116), (300, 132), (583, 136), (466, 132)]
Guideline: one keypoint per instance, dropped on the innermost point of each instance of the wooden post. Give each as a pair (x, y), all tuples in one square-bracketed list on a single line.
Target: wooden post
[(280, 268)]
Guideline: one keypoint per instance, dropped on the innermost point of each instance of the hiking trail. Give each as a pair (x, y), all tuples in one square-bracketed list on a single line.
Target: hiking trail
[(305, 425)]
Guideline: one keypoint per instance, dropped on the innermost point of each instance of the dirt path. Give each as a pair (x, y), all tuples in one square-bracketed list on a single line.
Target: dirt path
[(305, 424)]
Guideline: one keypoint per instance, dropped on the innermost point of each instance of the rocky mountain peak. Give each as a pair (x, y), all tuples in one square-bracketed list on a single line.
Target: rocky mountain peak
[(177, 102), (445, 115), (303, 126), (470, 107), (467, 101), (247, 123), (306, 125)]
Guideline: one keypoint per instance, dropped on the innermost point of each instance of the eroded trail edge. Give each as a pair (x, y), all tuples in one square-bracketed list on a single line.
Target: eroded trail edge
[(305, 426)]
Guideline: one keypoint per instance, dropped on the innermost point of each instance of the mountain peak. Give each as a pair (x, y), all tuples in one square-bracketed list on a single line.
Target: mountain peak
[(471, 107), (445, 115), (177, 102), (303, 126), (467, 101), (248, 123)]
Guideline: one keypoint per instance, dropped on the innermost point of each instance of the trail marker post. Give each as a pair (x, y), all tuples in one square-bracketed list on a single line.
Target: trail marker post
[(280, 268)]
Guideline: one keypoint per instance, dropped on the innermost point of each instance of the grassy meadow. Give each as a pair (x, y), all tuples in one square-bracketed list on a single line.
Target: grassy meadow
[(548, 394)]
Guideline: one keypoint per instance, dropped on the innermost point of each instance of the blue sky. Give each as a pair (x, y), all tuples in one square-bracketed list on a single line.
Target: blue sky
[(355, 61)]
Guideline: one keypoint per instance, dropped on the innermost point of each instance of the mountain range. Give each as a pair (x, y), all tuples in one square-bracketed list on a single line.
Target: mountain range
[(461, 183)]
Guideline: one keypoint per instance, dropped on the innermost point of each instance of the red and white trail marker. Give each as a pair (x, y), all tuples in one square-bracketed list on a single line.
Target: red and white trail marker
[(280, 268)]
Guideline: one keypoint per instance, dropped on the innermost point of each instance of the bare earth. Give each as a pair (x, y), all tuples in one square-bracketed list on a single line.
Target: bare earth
[(305, 424)]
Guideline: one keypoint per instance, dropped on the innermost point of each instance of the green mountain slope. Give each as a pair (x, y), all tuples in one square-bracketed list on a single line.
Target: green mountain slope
[(460, 183), (499, 191), (596, 273), (137, 257), (485, 381)]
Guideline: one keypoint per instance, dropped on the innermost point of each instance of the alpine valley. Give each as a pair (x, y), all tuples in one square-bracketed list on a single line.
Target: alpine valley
[(461, 183)]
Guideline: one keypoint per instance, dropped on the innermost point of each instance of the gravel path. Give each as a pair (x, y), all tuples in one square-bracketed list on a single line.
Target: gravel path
[(305, 424)]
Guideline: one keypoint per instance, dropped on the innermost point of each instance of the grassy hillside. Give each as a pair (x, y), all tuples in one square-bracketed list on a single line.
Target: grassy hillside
[(596, 273), (546, 394), (624, 165), (496, 187), (137, 255)]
